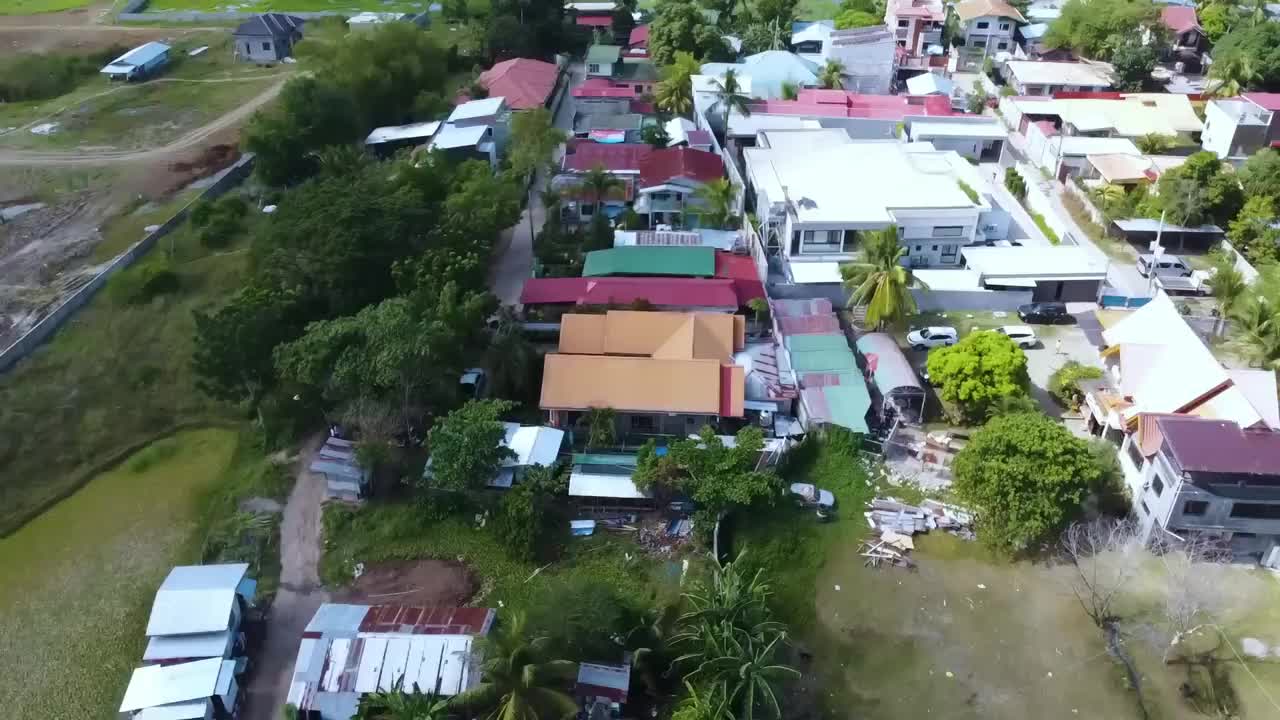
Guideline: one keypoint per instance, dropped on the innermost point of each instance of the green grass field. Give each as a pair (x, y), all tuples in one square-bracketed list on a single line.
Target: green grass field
[(32, 7), (114, 376), (192, 91), (289, 5), (76, 583)]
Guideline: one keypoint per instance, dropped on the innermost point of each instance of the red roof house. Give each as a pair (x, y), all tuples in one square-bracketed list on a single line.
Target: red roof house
[(598, 87), (742, 270), (680, 163), (842, 103), (639, 37), (618, 158), (1179, 18), (525, 83), (662, 292)]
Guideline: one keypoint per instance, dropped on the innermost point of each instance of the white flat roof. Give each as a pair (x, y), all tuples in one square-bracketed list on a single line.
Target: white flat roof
[(1133, 115), (929, 84), (1077, 145), (924, 130), (182, 683), (452, 136), (804, 139), (532, 444), (809, 273), (584, 484), (966, 280), (423, 130), (198, 710), (473, 109), (1034, 263), (196, 599), (1060, 73), (863, 181), (198, 645)]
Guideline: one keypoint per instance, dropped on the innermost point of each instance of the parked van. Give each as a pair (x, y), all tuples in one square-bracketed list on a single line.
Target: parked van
[(1168, 266)]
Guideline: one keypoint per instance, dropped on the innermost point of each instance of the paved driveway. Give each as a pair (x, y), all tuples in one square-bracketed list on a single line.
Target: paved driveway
[(1060, 344)]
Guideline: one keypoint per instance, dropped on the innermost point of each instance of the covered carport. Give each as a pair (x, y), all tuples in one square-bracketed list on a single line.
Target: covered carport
[(1055, 273), (895, 381)]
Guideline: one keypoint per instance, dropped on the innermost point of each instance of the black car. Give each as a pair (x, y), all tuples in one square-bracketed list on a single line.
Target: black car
[(1049, 313)]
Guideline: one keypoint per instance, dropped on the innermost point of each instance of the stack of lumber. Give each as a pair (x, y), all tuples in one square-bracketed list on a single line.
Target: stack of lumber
[(891, 515)]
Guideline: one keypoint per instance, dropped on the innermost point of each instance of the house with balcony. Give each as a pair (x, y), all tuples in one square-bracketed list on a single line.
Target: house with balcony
[(1187, 38), (622, 161), (917, 28), (1191, 476), (1235, 128), (666, 195), (814, 205), (662, 373), (868, 54), (988, 26)]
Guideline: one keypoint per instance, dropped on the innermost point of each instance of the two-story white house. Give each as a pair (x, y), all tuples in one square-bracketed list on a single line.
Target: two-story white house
[(988, 25), (1236, 128), (816, 192)]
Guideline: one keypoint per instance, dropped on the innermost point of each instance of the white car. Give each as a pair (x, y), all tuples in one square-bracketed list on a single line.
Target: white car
[(932, 337), (808, 494), (1021, 335)]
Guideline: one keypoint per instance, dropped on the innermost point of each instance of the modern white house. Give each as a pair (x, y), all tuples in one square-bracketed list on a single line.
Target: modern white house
[(868, 55), (1029, 77), (988, 25), (976, 137), (813, 206), (1235, 128)]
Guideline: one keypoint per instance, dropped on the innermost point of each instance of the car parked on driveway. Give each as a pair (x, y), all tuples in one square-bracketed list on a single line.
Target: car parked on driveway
[(1166, 266), (1021, 335), (932, 337), (1048, 313)]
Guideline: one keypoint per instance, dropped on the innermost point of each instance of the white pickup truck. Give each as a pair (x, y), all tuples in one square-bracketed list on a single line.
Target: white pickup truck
[(1197, 283)]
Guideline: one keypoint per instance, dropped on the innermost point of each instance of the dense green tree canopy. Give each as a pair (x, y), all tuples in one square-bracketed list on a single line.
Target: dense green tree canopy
[(1251, 55), (977, 371), (1026, 476), (466, 445), (679, 25), (1199, 191), (1097, 28), (713, 475)]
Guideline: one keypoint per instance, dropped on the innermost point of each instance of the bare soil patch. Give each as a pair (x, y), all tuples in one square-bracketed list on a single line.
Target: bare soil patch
[(417, 583)]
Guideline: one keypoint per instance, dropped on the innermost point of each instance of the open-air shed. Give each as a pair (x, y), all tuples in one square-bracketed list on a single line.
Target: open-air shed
[(895, 380)]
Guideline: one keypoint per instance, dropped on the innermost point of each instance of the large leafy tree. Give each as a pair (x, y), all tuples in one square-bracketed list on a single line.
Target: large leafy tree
[(1260, 175), (1251, 232), (509, 357), (1248, 58), (534, 139), (716, 476), (880, 282), (977, 371), (310, 114), (232, 357), (520, 681), (849, 19), (1133, 61), (1097, 29), (674, 93), (1026, 477), (679, 25), (1200, 191), (466, 445)]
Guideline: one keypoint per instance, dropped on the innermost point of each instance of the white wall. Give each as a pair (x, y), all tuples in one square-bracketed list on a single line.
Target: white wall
[(1219, 130)]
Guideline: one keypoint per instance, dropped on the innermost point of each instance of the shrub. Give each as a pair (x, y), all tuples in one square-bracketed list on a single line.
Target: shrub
[(968, 190), (977, 371), (142, 283), (1044, 228), (1064, 383), (1015, 184), (219, 221), (48, 75)]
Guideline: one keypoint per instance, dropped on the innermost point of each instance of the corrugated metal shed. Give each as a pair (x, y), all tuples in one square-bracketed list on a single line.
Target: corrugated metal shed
[(607, 485), (837, 360), (198, 645), (652, 260), (196, 599), (157, 685), (890, 367)]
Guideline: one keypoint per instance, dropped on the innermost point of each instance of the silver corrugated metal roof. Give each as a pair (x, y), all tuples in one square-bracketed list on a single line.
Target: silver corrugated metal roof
[(157, 685), (196, 599), (178, 711), (338, 619), (199, 645)]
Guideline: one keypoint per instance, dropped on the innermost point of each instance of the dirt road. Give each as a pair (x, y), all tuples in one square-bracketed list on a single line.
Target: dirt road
[(162, 154), (299, 596)]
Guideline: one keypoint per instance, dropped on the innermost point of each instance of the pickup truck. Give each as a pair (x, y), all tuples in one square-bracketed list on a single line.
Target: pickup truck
[(1195, 284), (1167, 266)]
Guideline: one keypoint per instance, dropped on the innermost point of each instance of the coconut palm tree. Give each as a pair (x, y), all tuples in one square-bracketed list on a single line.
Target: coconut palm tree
[(1228, 288), (1257, 336), (790, 91), (879, 282), (715, 201), (396, 704), (519, 682), (728, 92), (832, 75), (598, 183), (510, 356), (675, 92), (1233, 75)]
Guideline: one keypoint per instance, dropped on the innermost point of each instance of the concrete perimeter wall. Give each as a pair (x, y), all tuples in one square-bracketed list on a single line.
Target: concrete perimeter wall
[(970, 300), (223, 181)]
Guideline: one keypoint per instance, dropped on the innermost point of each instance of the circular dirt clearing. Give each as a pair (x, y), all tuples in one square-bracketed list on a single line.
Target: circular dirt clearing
[(416, 583)]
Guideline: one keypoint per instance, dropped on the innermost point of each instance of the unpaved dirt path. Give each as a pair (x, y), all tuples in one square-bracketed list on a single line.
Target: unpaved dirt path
[(162, 154), (300, 592)]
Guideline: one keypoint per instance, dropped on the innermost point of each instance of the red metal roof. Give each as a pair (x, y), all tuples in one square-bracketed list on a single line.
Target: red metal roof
[(1220, 446), (663, 292), (603, 88), (809, 325), (1179, 19), (639, 37), (742, 270), (1266, 101), (680, 162), (523, 82), (595, 20), (622, 157), (427, 620), (841, 103)]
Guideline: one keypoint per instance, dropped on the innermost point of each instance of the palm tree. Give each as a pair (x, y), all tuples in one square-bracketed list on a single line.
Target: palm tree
[(832, 75), (749, 672), (790, 91), (730, 598), (1228, 288), (1257, 336), (675, 92), (1234, 75), (599, 182), (879, 282), (715, 201), (1154, 143), (729, 95), (707, 704), (396, 704), (510, 356), (519, 683)]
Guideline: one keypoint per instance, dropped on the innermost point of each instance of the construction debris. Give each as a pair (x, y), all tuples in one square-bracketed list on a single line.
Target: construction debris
[(896, 522), (881, 552)]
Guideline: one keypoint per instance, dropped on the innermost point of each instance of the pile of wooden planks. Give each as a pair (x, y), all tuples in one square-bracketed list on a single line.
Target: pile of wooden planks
[(884, 552), (891, 515)]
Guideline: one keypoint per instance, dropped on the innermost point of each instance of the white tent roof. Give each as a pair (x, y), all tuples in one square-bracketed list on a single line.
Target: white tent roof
[(452, 136), (157, 685), (196, 599), (197, 645), (584, 484), (532, 444)]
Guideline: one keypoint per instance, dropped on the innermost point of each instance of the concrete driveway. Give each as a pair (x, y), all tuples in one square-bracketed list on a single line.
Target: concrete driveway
[(1060, 344)]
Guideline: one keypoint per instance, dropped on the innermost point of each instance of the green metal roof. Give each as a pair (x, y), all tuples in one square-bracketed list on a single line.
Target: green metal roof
[(604, 459), (652, 260), (811, 343), (849, 405), (603, 54), (840, 360)]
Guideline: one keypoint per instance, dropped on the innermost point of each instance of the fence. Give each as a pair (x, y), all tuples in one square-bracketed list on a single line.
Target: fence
[(970, 300), (50, 323), (134, 12)]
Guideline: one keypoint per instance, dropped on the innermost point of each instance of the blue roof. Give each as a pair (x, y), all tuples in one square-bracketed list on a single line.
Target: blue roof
[(1034, 31), (142, 54), (799, 25)]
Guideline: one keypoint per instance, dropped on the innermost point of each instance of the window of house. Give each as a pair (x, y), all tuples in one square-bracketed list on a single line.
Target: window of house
[(807, 237), (949, 252), (902, 43), (593, 68), (639, 88), (1157, 484), (1145, 510), (1135, 455), (850, 240), (1004, 26), (1002, 45), (1195, 507), (266, 46), (980, 43), (1257, 511), (983, 25), (948, 231), (902, 23), (933, 248), (642, 423), (919, 248)]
